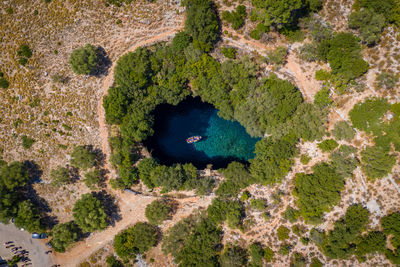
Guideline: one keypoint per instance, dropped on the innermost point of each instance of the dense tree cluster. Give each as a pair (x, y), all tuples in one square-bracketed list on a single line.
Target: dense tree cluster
[(222, 210), (390, 9), (236, 177), (376, 163), (391, 226), (318, 192)]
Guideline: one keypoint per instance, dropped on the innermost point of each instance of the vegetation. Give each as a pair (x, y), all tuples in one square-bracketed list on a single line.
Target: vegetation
[(64, 234), (391, 226), (291, 214), (136, 239), (268, 254), (344, 160), (343, 131), (92, 179), (28, 217), (390, 9), (387, 80), (229, 52), (283, 233), (89, 214), (60, 176), (256, 254), (27, 142), (376, 163), (24, 53), (226, 210), (305, 159), (234, 256), (3, 82), (237, 177), (277, 56), (158, 211), (83, 158), (318, 192), (322, 98), (369, 24), (84, 60), (235, 18), (328, 145)]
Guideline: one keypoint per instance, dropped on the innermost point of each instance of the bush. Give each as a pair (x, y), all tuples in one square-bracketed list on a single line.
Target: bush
[(89, 214), (113, 262), (63, 235), (344, 160), (343, 131), (376, 163), (136, 239), (328, 145), (28, 217), (322, 99), (268, 254), (82, 158), (60, 176), (283, 233), (305, 159), (387, 80), (278, 56), (145, 168), (27, 142), (233, 256), (256, 254), (368, 23), (291, 214), (258, 204), (84, 60), (308, 52), (92, 179), (229, 52), (158, 211), (24, 51), (236, 18), (225, 210), (3, 82)]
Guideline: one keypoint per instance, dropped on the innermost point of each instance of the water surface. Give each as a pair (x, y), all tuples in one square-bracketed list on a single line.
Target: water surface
[(223, 141)]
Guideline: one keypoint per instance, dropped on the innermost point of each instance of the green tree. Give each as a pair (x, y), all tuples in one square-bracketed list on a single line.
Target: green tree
[(24, 51), (202, 23), (181, 41), (226, 210), (92, 179), (89, 213), (84, 60), (28, 217), (113, 262), (13, 175), (237, 177), (308, 122), (60, 176), (269, 254), (368, 23), (83, 158), (277, 56), (283, 233), (236, 17), (256, 254), (137, 126), (63, 235), (344, 160), (291, 214), (233, 256), (376, 163), (145, 168), (318, 192), (315, 262), (115, 104), (372, 242), (343, 131), (322, 99), (328, 145), (136, 239), (158, 211)]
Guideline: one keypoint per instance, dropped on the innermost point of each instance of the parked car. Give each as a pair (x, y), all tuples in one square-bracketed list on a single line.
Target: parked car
[(39, 236)]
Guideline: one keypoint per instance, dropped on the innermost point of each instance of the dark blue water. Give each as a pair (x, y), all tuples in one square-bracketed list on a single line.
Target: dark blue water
[(223, 141)]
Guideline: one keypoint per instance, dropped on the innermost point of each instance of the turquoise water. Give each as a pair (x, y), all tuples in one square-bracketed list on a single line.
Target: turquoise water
[(223, 141)]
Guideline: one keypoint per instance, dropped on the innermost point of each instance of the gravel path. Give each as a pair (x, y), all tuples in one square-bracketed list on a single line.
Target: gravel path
[(35, 247)]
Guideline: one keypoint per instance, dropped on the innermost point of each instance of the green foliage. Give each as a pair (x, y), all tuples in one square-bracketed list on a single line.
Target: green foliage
[(328, 145), (136, 239), (297, 260), (341, 241), (83, 60), (387, 80), (277, 56), (291, 214), (284, 249), (226, 210), (233, 256), (60, 176), (391, 226), (83, 158), (3, 82), (388, 8), (193, 241), (343, 131), (229, 52), (236, 18), (344, 160), (113, 262), (28, 217), (237, 177), (322, 75), (278, 13), (118, 3), (308, 122), (13, 175), (372, 242), (367, 115), (115, 104), (308, 52), (256, 254), (322, 99), (258, 204), (268, 254), (305, 159), (24, 51), (273, 160), (14, 260), (202, 23), (368, 23), (181, 41), (318, 192), (283, 233), (158, 211), (136, 126), (145, 168), (63, 235), (27, 142), (376, 163), (245, 196), (89, 213), (92, 179), (315, 262)]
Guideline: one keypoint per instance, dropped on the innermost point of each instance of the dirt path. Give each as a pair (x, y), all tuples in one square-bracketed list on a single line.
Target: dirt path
[(108, 81)]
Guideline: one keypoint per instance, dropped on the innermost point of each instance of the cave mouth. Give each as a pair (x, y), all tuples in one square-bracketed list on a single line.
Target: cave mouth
[(223, 141)]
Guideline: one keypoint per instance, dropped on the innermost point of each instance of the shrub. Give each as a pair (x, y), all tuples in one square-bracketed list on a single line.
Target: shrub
[(343, 131), (387, 80), (89, 214), (63, 235), (305, 159), (27, 142), (158, 211), (376, 163), (236, 18), (322, 98), (229, 52), (233, 256), (344, 160), (291, 214), (278, 56), (24, 51), (3, 82), (84, 60), (256, 254), (258, 204), (268, 254), (308, 52), (283, 233), (136, 239), (60, 176), (92, 179), (82, 158), (368, 23), (328, 145)]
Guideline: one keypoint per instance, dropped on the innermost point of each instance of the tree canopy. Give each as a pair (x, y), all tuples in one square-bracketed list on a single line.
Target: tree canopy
[(84, 60), (158, 211), (83, 158), (64, 234), (89, 214)]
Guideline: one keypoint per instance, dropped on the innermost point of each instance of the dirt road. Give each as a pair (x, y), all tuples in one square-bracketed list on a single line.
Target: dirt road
[(23, 239)]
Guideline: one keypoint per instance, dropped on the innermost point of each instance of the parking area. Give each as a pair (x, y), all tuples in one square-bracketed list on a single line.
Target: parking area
[(35, 250)]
